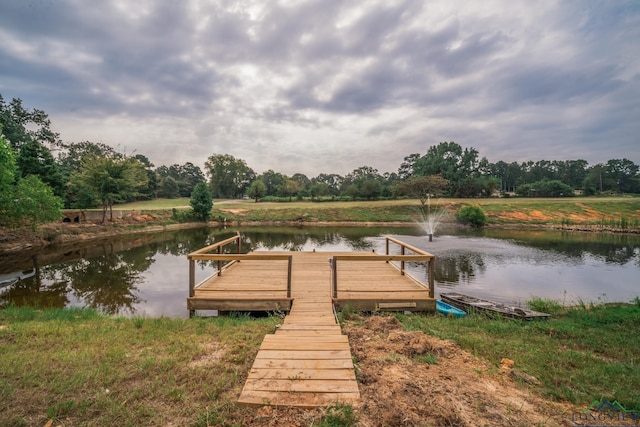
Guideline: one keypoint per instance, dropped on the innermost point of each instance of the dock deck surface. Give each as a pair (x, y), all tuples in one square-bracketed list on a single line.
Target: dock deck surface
[(307, 362)]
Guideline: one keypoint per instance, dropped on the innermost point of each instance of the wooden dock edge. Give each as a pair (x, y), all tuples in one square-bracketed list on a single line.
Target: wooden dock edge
[(262, 304), (373, 305)]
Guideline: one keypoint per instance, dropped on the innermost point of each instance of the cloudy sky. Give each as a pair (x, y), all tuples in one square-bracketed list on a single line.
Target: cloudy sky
[(328, 86)]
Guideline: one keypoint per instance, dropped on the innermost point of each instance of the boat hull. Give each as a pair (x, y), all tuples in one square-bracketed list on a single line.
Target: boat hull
[(449, 310), (470, 303)]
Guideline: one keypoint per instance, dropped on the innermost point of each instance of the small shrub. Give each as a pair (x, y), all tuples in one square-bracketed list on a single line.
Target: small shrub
[(472, 215)]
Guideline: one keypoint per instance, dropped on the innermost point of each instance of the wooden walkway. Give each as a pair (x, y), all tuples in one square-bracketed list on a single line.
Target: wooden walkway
[(307, 361)]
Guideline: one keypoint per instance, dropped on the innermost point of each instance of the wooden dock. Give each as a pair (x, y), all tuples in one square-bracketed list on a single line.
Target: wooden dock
[(307, 361)]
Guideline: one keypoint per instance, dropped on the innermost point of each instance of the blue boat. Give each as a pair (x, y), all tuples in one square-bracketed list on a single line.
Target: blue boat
[(449, 310)]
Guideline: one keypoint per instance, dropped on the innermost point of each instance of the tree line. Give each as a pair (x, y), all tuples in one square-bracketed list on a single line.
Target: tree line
[(40, 174)]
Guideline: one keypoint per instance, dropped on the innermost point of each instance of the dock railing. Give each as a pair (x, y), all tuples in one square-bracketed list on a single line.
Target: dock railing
[(418, 255), (205, 255)]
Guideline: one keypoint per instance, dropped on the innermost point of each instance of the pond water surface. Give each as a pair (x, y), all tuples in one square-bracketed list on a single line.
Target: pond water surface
[(147, 274)]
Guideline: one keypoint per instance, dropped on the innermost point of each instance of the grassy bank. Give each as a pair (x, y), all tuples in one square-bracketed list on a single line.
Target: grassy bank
[(76, 367), (606, 212), (582, 354)]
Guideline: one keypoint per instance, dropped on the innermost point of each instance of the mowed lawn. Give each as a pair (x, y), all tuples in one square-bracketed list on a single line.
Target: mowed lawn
[(573, 210)]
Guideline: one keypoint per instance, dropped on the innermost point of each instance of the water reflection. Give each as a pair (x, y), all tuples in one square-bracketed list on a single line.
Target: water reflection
[(509, 266), (147, 274)]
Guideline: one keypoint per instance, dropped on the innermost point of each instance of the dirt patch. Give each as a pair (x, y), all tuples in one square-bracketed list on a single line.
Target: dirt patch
[(212, 354), (533, 215), (234, 211), (414, 379)]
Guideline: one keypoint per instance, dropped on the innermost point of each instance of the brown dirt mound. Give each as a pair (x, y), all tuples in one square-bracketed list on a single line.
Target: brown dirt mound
[(413, 379), (398, 389)]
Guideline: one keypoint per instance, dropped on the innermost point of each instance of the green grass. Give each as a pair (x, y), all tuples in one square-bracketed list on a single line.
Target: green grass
[(156, 204), (76, 366), (605, 212), (79, 367), (579, 355)]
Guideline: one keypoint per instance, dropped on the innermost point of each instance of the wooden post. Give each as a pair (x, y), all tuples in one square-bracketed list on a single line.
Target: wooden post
[(192, 283), (239, 243), (219, 261), (402, 262), (432, 270), (334, 280), (289, 277)]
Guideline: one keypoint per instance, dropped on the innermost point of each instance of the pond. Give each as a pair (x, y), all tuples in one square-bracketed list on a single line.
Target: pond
[(147, 274)]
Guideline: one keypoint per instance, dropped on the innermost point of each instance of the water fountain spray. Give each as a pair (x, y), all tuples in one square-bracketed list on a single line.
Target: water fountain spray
[(431, 220)]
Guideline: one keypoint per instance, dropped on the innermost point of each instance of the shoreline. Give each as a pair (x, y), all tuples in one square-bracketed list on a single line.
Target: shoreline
[(63, 233)]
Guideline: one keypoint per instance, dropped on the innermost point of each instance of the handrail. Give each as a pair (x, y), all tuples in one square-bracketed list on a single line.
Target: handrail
[(192, 258), (430, 262), (420, 256), (202, 255), (218, 245), (240, 257)]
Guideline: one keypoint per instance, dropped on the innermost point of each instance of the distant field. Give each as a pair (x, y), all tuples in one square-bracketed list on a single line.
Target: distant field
[(623, 211), (182, 202)]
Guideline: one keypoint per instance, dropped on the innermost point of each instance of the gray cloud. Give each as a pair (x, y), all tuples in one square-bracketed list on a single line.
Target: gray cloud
[(328, 86)]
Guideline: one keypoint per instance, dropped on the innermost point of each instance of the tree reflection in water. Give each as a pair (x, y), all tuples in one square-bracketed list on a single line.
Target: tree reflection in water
[(123, 277)]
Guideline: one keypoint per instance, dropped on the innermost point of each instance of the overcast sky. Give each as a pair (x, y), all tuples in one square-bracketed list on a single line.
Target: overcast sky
[(328, 86)]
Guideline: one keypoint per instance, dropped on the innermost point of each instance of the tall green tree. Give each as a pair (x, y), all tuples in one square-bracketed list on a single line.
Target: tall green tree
[(423, 187), (34, 203), (624, 173), (151, 189), (406, 169), (257, 190), (112, 179), (273, 181), (186, 177), (304, 183), (70, 159), (23, 201), (318, 189), (8, 170), (36, 159), (22, 125), (292, 187), (332, 181), (452, 162), (201, 201), (168, 188), (228, 176)]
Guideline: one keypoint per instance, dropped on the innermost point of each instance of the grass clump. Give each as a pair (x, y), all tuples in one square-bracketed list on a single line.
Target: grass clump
[(579, 355), (545, 305), (338, 415)]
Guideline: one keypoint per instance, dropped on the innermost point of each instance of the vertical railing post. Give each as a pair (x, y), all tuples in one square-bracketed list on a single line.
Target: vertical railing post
[(289, 277), (432, 270), (192, 282), (402, 262), (239, 244), (192, 277), (386, 252), (334, 280), (219, 261)]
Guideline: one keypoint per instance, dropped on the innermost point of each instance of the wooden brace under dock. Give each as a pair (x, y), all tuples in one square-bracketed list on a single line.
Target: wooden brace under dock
[(307, 362)]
